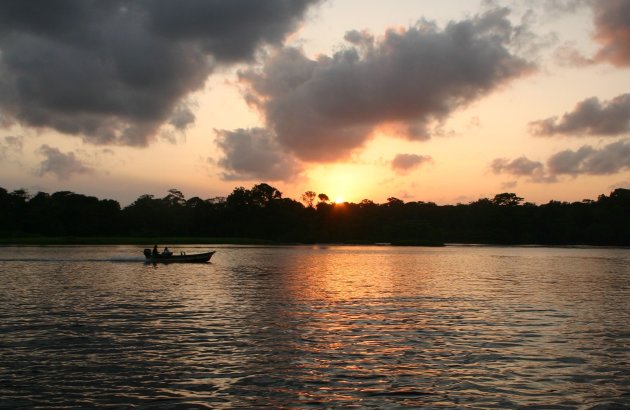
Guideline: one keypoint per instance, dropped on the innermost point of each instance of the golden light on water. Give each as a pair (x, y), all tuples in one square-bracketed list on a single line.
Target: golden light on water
[(288, 326)]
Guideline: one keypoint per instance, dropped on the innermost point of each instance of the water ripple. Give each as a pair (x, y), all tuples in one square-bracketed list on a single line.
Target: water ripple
[(301, 327)]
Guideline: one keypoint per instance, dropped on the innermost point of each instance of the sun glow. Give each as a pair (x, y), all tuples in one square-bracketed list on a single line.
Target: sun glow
[(342, 182)]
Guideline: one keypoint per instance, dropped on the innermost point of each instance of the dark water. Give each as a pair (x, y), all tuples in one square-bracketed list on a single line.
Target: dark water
[(300, 327)]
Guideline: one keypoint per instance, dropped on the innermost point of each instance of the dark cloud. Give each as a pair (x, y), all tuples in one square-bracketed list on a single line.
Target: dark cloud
[(403, 163), (182, 117), (323, 109), (254, 154), (610, 159), (62, 165), (589, 117), (612, 31), (114, 71), (230, 30)]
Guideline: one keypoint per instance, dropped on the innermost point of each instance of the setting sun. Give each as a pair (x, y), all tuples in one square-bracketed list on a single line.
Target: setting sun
[(339, 200)]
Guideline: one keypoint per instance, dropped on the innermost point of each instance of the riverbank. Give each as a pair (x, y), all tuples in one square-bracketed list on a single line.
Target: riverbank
[(174, 240), (123, 240)]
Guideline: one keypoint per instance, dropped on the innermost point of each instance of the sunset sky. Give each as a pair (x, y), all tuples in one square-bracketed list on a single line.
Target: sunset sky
[(447, 101)]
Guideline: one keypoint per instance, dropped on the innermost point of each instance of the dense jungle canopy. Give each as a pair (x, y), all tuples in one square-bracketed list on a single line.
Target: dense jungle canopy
[(262, 213)]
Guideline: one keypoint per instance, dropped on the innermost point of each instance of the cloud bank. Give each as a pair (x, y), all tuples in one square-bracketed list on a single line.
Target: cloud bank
[(589, 117), (113, 72), (323, 109)]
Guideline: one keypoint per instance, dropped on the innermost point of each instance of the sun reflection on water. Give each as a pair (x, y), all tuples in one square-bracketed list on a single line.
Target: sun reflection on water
[(321, 326)]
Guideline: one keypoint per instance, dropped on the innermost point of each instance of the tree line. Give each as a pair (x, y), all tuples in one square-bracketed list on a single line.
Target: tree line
[(262, 213)]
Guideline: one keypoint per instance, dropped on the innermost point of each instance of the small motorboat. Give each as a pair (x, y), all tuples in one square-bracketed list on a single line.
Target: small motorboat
[(181, 258)]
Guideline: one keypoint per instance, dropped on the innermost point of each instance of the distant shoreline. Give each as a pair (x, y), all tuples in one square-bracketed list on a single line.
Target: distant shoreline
[(169, 241), (123, 240)]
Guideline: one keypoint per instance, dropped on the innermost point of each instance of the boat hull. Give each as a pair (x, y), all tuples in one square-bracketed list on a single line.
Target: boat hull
[(195, 258)]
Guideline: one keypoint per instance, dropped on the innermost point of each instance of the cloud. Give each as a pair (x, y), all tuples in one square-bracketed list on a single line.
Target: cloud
[(611, 19), (612, 31), (182, 117), (62, 165), (403, 163), (589, 117), (509, 185), (568, 56), (559, 7), (323, 109), (586, 160), (522, 167), (519, 167), (11, 144), (611, 159), (114, 72), (254, 154)]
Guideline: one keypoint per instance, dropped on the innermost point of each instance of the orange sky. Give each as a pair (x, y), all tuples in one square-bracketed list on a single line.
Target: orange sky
[(445, 102)]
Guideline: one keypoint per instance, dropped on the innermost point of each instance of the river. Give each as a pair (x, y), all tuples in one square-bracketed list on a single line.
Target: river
[(316, 326)]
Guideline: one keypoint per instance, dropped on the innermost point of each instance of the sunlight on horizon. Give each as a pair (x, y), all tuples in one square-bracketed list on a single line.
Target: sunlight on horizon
[(341, 182)]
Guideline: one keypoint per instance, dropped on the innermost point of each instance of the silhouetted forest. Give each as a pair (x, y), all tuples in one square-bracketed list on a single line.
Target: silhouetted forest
[(262, 213)]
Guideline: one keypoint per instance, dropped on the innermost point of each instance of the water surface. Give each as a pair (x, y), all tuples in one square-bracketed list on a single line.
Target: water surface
[(296, 327)]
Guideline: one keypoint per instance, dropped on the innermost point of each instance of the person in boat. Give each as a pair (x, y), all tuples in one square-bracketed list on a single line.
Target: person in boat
[(166, 252), (155, 251)]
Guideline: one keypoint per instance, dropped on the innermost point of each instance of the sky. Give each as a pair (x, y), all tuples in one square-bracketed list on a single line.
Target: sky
[(446, 101)]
